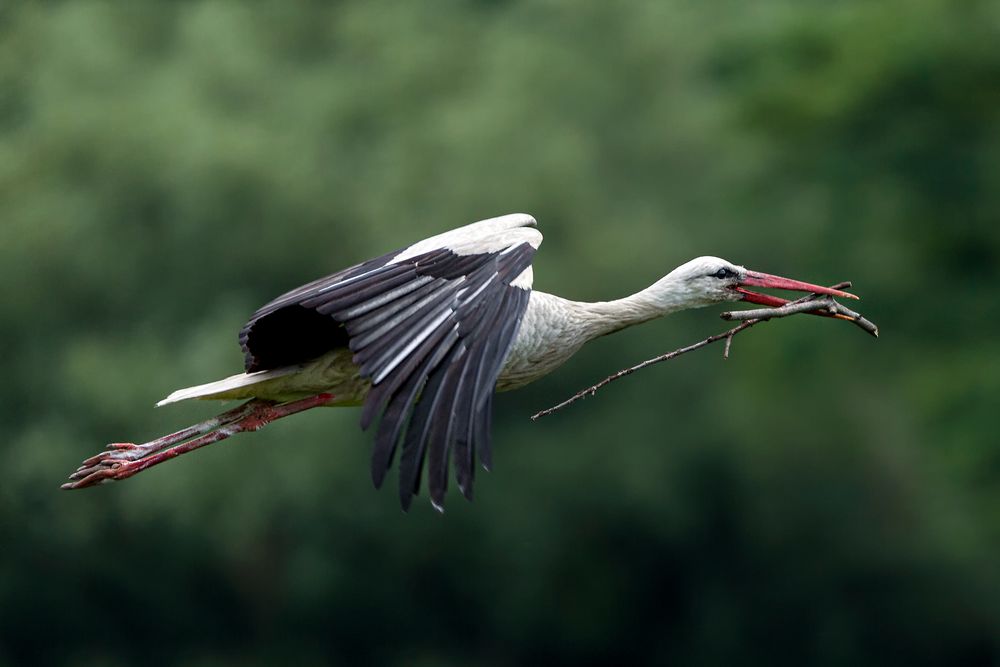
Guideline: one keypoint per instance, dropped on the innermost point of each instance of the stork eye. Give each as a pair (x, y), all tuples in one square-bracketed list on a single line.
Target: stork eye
[(723, 273)]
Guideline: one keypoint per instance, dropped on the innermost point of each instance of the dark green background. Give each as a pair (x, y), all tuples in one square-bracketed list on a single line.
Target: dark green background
[(818, 499)]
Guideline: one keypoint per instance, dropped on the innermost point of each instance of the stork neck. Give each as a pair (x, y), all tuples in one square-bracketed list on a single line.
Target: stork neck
[(663, 297)]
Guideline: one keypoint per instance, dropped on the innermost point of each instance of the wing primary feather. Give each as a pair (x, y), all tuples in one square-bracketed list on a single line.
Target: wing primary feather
[(478, 317), (492, 362), (483, 423), (481, 391), (464, 466), (479, 323), (465, 418), (394, 417), (380, 393), (442, 431), (459, 406), (465, 424), (415, 439), (510, 315), (509, 320), (433, 414), (390, 428)]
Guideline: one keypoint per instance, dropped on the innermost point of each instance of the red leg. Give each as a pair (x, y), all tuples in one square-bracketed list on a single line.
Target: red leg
[(125, 459), (128, 451)]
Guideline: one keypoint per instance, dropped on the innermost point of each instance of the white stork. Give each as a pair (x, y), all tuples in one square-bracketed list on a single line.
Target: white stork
[(420, 338)]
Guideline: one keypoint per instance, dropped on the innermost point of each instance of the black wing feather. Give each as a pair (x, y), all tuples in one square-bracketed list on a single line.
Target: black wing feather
[(401, 397), (417, 434), (430, 332), (260, 355)]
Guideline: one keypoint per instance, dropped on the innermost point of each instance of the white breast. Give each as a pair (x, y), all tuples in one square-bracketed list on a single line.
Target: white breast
[(551, 332)]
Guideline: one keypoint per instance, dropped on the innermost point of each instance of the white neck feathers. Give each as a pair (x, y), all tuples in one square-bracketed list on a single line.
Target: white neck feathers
[(665, 296)]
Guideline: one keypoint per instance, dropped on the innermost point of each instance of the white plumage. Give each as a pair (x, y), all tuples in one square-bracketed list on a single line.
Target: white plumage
[(421, 338)]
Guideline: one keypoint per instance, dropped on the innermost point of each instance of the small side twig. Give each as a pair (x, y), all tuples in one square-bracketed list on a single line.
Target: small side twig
[(810, 303)]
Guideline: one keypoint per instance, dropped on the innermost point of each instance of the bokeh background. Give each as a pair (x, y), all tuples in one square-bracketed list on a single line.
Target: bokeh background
[(820, 498)]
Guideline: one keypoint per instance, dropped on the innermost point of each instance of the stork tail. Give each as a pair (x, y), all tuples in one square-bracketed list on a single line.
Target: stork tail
[(233, 387)]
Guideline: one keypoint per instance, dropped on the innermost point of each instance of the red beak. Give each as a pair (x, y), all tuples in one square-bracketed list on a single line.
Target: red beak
[(757, 279)]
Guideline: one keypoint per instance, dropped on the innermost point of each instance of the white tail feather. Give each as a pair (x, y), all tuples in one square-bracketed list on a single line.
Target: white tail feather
[(229, 387)]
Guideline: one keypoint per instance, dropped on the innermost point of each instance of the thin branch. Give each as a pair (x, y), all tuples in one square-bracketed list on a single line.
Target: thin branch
[(866, 324), (590, 391), (821, 305), (792, 308), (812, 303)]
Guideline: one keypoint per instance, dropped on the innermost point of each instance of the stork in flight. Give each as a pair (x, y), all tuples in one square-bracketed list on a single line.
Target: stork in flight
[(421, 338)]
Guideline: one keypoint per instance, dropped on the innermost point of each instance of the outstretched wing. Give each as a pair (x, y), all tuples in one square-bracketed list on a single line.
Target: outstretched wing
[(430, 326)]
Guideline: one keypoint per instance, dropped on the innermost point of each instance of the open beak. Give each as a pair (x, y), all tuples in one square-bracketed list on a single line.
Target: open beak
[(757, 279)]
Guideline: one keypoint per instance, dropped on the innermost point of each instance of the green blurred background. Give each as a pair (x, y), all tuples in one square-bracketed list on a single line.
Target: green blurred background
[(819, 498)]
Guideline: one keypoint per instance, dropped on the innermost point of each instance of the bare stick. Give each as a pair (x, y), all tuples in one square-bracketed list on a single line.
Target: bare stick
[(817, 303), (782, 311), (866, 324), (822, 305), (590, 391)]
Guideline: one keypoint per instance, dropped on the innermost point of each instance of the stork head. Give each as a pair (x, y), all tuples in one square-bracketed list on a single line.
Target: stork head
[(707, 280)]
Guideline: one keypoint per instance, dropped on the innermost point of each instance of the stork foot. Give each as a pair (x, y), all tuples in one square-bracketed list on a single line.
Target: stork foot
[(105, 470), (114, 463), (124, 459)]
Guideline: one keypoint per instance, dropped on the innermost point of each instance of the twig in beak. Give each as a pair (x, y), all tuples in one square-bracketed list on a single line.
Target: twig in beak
[(808, 303)]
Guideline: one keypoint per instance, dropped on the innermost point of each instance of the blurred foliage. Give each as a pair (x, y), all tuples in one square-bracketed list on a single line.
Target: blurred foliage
[(818, 499)]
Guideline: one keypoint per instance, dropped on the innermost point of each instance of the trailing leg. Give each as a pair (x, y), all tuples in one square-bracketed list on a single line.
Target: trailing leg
[(123, 460)]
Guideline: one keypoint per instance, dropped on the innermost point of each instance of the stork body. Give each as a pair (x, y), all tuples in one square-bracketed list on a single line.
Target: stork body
[(421, 338), (553, 329)]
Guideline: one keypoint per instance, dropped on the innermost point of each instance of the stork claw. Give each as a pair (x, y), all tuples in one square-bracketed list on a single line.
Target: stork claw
[(121, 451), (111, 464), (118, 461), (106, 471)]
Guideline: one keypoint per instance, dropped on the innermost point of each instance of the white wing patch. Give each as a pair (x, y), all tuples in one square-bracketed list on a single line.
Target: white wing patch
[(480, 237)]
